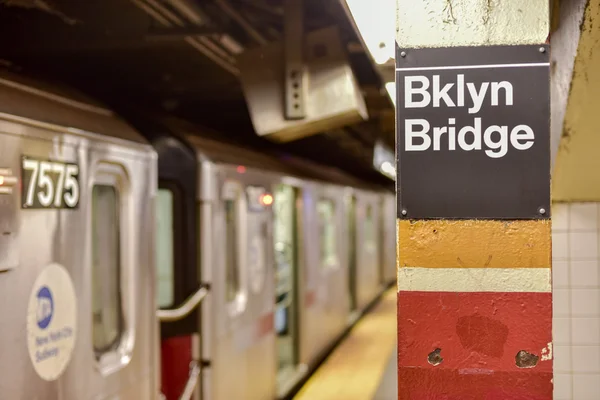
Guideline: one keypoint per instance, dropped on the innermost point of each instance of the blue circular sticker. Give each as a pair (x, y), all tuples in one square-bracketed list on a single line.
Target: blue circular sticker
[(45, 307), (51, 322)]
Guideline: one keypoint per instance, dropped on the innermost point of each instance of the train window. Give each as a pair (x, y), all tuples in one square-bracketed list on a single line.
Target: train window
[(235, 247), (326, 211), (164, 249), (370, 237), (107, 313), (258, 247), (232, 265)]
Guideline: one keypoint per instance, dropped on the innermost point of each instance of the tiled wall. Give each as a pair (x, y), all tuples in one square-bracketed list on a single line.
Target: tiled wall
[(576, 284)]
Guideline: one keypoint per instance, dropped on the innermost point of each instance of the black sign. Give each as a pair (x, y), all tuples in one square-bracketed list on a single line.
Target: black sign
[(49, 184), (473, 132)]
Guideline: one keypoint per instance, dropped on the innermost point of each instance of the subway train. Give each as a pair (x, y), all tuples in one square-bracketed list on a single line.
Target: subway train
[(145, 258)]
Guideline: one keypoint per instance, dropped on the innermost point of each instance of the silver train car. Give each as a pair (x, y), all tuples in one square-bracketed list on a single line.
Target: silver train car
[(292, 253), (144, 260), (76, 260)]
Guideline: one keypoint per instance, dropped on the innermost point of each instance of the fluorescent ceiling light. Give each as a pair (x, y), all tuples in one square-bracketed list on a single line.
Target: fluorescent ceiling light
[(388, 170), (384, 160), (390, 87), (376, 22)]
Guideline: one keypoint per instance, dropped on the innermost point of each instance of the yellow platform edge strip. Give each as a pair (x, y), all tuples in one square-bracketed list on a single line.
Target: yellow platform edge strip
[(474, 244), (354, 370)]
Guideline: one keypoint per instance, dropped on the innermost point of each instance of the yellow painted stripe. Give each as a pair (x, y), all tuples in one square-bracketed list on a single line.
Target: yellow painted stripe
[(474, 244), (475, 279), (353, 371)]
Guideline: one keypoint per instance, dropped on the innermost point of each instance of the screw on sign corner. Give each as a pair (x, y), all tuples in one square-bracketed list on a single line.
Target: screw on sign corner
[(434, 358), (524, 359), (542, 210)]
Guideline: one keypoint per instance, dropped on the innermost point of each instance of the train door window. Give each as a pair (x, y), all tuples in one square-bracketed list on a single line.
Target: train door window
[(382, 236), (164, 249), (370, 233), (327, 234), (257, 250), (352, 256), (232, 265), (234, 233), (112, 262), (106, 269)]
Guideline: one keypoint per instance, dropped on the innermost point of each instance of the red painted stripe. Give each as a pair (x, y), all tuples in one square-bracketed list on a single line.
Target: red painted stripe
[(309, 298), (176, 355), (479, 335), (264, 326), (445, 384)]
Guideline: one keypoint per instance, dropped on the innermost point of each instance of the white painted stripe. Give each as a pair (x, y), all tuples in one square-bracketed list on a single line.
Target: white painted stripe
[(522, 65), (475, 279)]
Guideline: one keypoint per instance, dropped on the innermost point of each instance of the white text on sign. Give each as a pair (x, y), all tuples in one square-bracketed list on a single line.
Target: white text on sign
[(420, 92)]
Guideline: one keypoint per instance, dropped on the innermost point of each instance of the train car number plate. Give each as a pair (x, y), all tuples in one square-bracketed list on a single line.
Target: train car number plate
[(49, 184)]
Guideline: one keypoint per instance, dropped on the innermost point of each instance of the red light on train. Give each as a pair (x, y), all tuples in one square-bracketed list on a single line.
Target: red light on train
[(266, 199), (240, 169)]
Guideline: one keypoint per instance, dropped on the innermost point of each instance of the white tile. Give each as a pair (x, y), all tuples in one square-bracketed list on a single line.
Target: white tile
[(561, 331), (586, 387), (584, 273), (584, 216), (583, 245), (562, 358), (560, 274), (560, 216), (586, 358), (560, 245), (561, 301), (562, 387), (585, 302), (585, 331)]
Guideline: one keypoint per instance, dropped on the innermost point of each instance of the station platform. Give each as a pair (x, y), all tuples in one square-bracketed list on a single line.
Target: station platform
[(363, 366)]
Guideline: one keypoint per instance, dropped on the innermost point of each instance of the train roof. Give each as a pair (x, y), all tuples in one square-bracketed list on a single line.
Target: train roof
[(47, 102), (329, 174), (43, 101), (211, 146), (214, 147)]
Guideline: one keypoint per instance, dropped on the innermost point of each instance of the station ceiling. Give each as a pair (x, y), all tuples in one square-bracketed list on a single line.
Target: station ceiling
[(178, 57)]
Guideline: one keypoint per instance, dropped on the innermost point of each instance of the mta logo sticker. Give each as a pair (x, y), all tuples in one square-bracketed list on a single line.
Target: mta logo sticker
[(45, 307)]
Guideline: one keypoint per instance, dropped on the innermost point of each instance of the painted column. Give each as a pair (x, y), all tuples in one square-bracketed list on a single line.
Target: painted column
[(474, 248)]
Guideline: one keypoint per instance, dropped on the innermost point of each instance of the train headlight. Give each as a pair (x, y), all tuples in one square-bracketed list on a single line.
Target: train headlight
[(266, 199)]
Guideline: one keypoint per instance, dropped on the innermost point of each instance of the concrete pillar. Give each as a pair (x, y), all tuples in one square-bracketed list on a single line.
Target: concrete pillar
[(576, 197), (474, 294)]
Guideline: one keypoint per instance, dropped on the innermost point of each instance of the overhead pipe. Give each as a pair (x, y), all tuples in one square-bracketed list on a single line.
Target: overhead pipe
[(190, 11), (229, 10), (187, 9), (167, 18)]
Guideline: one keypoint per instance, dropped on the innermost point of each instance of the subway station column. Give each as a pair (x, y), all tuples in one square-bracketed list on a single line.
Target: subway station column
[(473, 189)]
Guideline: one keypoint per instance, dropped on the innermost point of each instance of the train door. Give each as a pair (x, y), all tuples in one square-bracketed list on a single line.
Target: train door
[(382, 241), (178, 291), (352, 254), (285, 237), (370, 263), (238, 337), (370, 242)]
